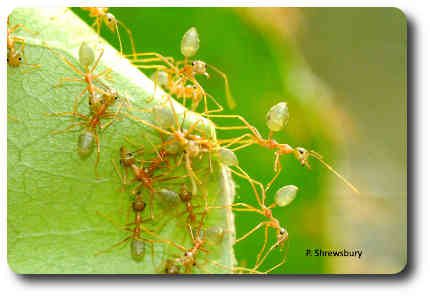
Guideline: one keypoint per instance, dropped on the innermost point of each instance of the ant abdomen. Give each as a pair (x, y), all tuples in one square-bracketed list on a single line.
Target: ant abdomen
[(190, 43), (227, 157), (137, 248), (86, 55), (286, 195), (277, 117), (168, 199), (85, 143)]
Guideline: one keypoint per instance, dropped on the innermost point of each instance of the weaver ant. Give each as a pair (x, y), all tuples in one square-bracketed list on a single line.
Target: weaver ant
[(90, 135), (138, 244), (190, 145), (86, 59), (277, 118), (176, 76), (16, 58), (102, 15), (142, 174), (283, 197)]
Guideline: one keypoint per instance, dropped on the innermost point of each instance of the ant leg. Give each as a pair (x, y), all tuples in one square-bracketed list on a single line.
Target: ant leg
[(239, 140), (230, 101), (111, 115), (247, 207), (284, 259), (244, 175), (130, 36), (97, 62), (98, 152), (166, 241), (100, 74), (266, 238), (219, 106), (121, 50), (152, 145), (122, 178), (251, 231), (148, 124), (242, 119), (192, 175), (67, 129), (151, 204), (16, 27), (12, 118), (162, 58), (60, 114), (247, 270), (155, 87), (277, 168), (114, 246), (175, 116), (259, 263), (75, 105), (67, 62)]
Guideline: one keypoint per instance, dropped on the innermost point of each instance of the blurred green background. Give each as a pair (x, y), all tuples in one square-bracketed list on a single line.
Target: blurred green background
[(343, 73)]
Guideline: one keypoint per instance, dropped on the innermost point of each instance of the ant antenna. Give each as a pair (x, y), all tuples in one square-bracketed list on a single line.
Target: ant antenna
[(230, 101), (320, 158)]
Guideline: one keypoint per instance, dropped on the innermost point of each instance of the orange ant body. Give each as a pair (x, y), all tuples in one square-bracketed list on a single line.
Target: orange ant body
[(137, 246), (102, 15), (189, 259), (178, 76), (184, 91), (86, 58), (92, 122), (271, 222), (144, 174), (191, 146), (276, 120), (16, 58)]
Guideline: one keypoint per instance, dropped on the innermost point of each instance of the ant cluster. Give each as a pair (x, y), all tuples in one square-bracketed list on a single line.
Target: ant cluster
[(167, 181)]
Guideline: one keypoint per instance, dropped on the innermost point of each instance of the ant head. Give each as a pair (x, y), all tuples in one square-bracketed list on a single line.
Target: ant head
[(302, 155), (112, 97), (199, 67), (14, 60), (282, 235), (110, 21), (125, 156)]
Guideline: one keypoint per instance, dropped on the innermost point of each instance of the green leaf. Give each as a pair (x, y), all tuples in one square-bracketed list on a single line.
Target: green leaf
[(53, 194)]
